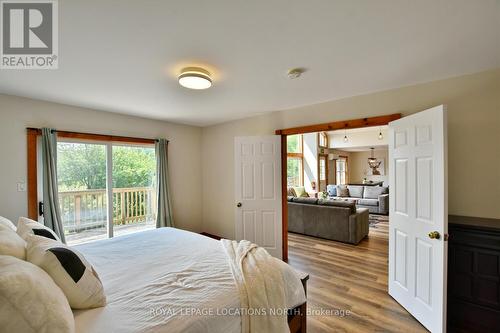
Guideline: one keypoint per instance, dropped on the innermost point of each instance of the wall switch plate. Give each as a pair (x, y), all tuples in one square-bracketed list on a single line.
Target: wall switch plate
[(21, 187)]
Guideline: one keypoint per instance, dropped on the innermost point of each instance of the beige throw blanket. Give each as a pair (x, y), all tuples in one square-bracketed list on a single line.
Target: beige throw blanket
[(267, 287)]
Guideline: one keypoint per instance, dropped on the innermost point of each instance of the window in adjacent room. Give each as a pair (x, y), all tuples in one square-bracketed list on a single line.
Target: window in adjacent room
[(295, 160), (341, 170), (323, 140), (323, 172)]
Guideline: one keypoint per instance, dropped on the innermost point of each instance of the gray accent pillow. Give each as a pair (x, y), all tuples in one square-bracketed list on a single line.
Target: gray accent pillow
[(338, 203), (372, 192), (342, 191), (304, 200), (355, 191)]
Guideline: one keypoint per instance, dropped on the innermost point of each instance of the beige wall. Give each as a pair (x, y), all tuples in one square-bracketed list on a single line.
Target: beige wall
[(18, 113), (473, 125), (358, 165)]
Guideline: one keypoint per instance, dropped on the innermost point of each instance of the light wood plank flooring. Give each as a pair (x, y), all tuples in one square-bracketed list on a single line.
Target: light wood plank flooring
[(349, 277)]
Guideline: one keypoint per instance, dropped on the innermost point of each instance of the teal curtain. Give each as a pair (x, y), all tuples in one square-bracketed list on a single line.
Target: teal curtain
[(51, 210), (164, 213)]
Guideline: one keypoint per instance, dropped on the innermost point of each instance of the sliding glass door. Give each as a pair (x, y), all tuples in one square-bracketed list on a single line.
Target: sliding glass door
[(134, 194), (81, 169), (102, 180)]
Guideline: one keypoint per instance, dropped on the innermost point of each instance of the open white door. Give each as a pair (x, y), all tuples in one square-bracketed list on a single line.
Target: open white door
[(418, 220), (258, 191)]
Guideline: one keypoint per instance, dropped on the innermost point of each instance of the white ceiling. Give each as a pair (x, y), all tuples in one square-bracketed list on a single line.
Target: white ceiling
[(124, 56)]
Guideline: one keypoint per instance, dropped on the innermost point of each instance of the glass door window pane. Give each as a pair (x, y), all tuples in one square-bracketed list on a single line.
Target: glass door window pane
[(81, 171), (322, 173), (294, 171), (134, 193), (341, 172)]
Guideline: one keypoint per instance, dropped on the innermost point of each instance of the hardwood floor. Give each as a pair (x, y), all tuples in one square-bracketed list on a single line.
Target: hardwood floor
[(350, 278)]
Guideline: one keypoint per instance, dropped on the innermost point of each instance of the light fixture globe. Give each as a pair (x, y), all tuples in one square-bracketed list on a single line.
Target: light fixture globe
[(195, 78)]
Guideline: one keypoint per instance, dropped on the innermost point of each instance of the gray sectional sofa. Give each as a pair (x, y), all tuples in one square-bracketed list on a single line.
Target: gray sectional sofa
[(331, 219), (374, 198)]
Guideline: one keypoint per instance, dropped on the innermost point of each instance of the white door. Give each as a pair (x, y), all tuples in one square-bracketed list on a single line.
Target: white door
[(418, 221), (258, 191)]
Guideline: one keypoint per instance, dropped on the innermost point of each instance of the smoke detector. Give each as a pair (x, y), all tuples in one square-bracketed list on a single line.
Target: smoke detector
[(295, 73)]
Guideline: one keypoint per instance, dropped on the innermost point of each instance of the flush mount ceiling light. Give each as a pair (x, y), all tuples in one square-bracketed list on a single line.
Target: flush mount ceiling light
[(195, 78), (295, 73)]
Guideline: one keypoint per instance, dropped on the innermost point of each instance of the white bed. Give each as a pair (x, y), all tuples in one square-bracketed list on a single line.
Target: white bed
[(151, 276)]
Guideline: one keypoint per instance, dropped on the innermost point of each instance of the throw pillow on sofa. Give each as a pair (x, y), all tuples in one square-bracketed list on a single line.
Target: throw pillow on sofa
[(342, 191), (332, 190), (291, 192), (300, 191)]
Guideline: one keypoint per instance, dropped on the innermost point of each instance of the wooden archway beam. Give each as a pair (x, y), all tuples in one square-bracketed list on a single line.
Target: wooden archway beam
[(345, 124)]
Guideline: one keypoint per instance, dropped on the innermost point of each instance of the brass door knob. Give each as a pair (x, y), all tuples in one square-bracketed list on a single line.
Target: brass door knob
[(434, 235), (239, 204)]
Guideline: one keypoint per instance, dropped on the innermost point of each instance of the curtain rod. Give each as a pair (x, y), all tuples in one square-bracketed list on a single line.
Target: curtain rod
[(93, 136)]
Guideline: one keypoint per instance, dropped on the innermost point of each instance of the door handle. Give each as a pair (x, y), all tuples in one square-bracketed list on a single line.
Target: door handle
[(239, 204), (434, 235)]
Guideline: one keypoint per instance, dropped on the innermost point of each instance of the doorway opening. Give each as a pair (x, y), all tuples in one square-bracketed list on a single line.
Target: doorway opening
[(310, 162)]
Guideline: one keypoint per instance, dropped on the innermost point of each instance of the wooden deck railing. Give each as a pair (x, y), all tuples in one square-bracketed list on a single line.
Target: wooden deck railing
[(88, 209)]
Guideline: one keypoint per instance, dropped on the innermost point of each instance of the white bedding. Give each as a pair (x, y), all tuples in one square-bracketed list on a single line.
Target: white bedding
[(151, 276)]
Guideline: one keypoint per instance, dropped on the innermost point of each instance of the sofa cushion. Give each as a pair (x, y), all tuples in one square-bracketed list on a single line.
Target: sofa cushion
[(332, 190), (355, 191), (338, 203), (290, 198), (342, 191), (368, 202), (300, 191), (311, 201), (372, 192)]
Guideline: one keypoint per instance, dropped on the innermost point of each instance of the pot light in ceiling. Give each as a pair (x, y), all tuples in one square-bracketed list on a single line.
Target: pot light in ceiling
[(195, 78)]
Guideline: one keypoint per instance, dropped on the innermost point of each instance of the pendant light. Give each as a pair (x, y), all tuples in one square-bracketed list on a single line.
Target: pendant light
[(380, 136), (345, 136)]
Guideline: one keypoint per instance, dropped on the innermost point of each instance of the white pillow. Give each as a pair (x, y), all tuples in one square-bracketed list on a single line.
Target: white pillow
[(7, 223), (11, 244), (70, 271), (30, 301), (26, 227)]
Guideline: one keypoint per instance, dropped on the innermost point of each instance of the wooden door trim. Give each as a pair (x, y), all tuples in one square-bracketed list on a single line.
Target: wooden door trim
[(344, 124), (325, 127)]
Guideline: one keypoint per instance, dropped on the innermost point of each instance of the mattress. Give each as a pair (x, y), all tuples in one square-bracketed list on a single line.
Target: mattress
[(162, 280)]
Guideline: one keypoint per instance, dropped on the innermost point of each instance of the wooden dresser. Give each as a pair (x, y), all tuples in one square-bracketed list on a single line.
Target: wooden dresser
[(473, 275)]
